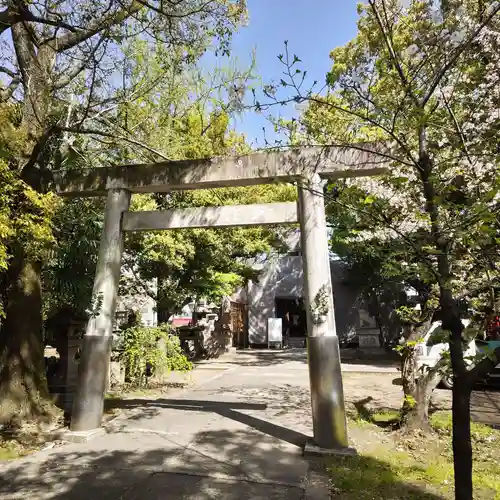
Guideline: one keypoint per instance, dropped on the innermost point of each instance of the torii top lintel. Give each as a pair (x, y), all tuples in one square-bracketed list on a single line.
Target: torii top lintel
[(257, 168)]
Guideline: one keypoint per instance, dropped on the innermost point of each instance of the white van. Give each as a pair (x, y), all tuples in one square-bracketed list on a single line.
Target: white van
[(429, 351)]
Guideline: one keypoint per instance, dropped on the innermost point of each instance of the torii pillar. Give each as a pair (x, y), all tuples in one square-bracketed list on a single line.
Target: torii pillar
[(327, 395), (88, 402)]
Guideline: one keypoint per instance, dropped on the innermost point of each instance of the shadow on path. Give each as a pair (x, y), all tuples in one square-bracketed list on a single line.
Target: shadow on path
[(232, 411), (249, 461), (153, 475)]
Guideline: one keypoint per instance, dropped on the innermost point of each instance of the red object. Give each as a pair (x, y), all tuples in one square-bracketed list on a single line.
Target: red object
[(494, 328), (181, 321)]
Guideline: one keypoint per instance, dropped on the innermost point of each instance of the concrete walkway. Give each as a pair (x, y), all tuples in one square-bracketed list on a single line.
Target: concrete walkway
[(236, 433)]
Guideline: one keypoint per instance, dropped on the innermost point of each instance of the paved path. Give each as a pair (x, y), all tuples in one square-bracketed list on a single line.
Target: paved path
[(236, 434)]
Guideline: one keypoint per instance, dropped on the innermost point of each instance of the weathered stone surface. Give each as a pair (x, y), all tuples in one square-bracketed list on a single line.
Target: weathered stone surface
[(256, 168), (227, 216)]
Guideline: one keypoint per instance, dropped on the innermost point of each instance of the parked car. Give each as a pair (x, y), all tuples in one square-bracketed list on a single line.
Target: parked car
[(489, 344), (430, 350)]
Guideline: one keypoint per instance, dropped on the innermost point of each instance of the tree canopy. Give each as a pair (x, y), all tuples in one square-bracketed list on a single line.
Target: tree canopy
[(420, 81), (68, 71)]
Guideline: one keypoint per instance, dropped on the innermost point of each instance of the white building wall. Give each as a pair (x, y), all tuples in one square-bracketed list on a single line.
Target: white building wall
[(280, 278), (283, 278)]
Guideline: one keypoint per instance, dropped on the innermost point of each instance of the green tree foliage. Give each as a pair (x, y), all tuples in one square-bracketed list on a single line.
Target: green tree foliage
[(200, 263), (420, 80), (185, 114), (188, 115), (25, 214), (150, 352), (65, 70), (69, 271)]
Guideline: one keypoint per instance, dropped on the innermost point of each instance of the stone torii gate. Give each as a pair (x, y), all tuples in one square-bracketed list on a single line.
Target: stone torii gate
[(308, 167)]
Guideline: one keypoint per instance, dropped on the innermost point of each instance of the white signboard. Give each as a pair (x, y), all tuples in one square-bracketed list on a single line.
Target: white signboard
[(274, 331)]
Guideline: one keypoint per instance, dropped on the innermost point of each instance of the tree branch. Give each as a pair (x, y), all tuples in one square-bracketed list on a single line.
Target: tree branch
[(76, 68), (458, 128), (160, 10), (384, 219), (140, 281), (351, 112), (90, 131), (458, 52), (392, 53), (70, 40), (7, 19), (9, 72)]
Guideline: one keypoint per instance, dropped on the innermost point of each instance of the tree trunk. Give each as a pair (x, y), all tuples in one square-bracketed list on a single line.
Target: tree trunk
[(23, 385), (462, 447), (413, 414), (417, 389), (408, 377)]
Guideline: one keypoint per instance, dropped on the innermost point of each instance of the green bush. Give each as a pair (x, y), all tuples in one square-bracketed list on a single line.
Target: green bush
[(149, 351)]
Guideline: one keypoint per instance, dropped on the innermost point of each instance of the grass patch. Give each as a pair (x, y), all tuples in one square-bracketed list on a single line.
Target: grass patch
[(386, 418), (18, 446), (393, 465), (378, 476), (10, 451), (441, 422), (486, 448)]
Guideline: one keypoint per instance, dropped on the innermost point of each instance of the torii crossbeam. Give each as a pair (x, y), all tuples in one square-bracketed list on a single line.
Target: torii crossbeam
[(308, 167)]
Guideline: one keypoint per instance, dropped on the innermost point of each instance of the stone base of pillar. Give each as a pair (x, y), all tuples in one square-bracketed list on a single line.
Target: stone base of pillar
[(312, 450), (82, 436), (327, 394), (88, 402)]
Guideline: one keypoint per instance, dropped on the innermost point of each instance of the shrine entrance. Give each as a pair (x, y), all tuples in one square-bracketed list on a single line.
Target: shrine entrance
[(293, 315), (308, 168)]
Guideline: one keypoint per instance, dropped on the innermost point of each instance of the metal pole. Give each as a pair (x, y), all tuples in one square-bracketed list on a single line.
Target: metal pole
[(327, 395), (88, 404)]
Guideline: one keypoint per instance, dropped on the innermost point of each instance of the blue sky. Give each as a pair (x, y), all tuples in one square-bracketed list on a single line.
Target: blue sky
[(312, 27)]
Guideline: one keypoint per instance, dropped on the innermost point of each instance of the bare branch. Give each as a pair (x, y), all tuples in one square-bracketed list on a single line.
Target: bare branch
[(7, 19), (76, 68), (458, 128), (160, 10), (351, 112), (9, 72), (70, 40), (91, 131)]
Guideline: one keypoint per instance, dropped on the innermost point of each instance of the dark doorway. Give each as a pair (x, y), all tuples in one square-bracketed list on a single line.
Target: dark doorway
[(293, 315), (239, 324)]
